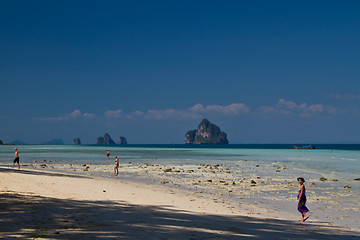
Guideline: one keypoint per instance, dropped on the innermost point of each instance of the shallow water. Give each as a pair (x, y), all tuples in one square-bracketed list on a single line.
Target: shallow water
[(336, 163)]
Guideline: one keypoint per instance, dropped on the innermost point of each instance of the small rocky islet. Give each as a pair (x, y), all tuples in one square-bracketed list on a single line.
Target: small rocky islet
[(107, 140), (206, 133), (77, 141)]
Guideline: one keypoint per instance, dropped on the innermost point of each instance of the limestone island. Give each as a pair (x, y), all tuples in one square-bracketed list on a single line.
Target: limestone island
[(206, 133), (77, 141), (122, 141), (107, 140)]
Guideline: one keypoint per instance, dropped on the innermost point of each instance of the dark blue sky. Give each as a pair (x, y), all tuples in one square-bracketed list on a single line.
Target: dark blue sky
[(264, 71)]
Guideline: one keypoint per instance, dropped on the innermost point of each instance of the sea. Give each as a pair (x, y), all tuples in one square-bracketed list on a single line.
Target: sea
[(340, 161)]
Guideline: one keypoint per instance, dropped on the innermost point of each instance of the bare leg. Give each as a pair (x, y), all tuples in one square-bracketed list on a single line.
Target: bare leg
[(304, 217)]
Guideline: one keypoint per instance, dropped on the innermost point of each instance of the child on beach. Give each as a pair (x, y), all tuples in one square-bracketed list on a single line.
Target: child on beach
[(116, 167), (302, 200), (16, 158)]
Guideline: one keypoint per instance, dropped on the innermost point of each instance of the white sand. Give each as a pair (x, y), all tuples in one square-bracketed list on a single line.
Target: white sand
[(41, 204)]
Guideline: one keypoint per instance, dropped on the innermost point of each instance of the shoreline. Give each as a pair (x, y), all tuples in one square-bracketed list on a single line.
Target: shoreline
[(65, 188), (272, 187)]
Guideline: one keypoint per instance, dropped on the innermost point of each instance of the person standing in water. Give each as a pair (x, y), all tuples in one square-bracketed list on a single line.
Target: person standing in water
[(302, 200), (116, 167), (16, 159), (107, 154)]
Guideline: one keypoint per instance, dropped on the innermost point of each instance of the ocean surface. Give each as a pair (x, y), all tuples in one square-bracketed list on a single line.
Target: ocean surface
[(340, 161)]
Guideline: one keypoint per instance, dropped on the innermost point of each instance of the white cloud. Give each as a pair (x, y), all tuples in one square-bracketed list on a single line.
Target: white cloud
[(316, 108), (73, 115), (88, 115), (114, 113), (196, 111), (170, 113), (135, 114), (347, 96), (232, 109), (197, 107), (304, 110)]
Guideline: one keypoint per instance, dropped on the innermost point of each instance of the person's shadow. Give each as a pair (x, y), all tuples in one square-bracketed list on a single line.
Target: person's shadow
[(28, 216)]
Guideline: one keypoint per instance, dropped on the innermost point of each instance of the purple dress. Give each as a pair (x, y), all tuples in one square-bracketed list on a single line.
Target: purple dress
[(301, 206)]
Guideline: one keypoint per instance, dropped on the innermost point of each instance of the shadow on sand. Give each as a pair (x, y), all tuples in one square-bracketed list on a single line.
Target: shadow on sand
[(40, 173), (30, 216)]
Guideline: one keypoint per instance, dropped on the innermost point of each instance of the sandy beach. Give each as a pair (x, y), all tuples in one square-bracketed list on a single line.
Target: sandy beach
[(258, 189), (40, 204)]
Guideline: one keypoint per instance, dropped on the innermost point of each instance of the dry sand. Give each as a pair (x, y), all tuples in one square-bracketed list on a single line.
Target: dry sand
[(48, 205)]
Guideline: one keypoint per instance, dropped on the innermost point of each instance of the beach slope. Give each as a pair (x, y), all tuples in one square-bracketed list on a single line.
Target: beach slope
[(40, 204)]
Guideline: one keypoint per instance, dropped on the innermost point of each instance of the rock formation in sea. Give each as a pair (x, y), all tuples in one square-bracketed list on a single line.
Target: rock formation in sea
[(190, 136), (122, 141), (1, 143), (106, 140), (77, 141), (206, 133)]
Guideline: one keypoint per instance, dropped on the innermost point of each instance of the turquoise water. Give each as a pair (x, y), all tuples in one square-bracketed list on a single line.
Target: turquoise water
[(336, 163)]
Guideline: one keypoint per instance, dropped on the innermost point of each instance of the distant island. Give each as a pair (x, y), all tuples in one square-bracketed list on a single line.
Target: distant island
[(77, 141), (107, 140), (206, 133), (122, 141)]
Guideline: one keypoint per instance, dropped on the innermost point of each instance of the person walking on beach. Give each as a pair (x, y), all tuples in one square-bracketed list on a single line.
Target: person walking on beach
[(107, 154), (116, 167), (302, 200), (16, 159)]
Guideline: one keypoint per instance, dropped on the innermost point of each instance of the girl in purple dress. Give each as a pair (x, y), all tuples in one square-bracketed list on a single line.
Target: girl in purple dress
[(302, 200)]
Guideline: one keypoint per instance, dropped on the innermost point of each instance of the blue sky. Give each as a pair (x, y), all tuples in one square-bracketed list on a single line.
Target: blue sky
[(264, 71)]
